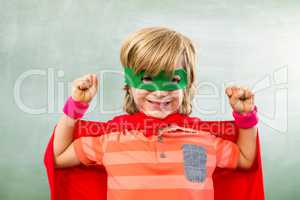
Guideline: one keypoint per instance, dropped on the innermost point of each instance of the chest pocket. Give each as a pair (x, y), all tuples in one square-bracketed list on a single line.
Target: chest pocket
[(194, 158)]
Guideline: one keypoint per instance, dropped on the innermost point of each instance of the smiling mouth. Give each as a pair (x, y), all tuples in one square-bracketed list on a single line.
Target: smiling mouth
[(163, 103)]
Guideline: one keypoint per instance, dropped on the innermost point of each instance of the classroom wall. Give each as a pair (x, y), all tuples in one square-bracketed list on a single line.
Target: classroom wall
[(44, 45)]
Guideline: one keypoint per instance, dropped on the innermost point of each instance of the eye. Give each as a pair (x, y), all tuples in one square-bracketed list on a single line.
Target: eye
[(176, 79), (146, 79)]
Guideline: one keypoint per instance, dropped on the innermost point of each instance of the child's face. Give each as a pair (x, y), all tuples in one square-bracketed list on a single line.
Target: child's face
[(158, 103)]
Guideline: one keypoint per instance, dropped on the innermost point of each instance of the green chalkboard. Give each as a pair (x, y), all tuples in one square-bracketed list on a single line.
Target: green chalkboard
[(44, 45)]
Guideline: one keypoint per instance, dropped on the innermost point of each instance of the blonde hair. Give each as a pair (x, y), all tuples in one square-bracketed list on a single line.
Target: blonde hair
[(155, 49)]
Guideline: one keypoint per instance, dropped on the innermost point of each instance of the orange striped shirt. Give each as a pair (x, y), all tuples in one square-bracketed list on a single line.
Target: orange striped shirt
[(178, 163)]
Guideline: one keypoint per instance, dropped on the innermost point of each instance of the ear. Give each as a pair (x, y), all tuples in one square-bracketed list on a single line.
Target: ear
[(126, 88), (129, 90)]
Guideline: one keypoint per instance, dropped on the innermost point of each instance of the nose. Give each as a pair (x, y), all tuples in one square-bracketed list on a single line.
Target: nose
[(160, 93)]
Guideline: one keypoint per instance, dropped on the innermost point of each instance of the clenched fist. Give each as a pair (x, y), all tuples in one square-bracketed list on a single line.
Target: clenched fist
[(85, 88), (241, 99)]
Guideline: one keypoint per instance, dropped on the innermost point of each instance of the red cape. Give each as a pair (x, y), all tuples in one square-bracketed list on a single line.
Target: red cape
[(89, 183)]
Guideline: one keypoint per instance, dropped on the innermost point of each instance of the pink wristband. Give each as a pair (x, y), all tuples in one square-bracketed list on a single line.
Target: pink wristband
[(246, 120), (75, 109)]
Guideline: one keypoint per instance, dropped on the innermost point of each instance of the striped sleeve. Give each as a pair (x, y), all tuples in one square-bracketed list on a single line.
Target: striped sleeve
[(227, 153), (89, 150)]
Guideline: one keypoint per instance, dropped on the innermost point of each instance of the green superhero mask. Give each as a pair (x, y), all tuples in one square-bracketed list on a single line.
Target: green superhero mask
[(162, 81)]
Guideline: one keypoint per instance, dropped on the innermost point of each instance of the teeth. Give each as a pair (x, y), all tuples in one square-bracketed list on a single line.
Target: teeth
[(155, 102)]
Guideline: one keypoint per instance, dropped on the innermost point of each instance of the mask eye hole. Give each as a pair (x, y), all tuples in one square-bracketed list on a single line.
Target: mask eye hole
[(176, 79), (146, 79)]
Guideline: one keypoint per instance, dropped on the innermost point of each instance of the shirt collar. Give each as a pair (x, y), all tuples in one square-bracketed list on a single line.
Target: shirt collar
[(151, 125)]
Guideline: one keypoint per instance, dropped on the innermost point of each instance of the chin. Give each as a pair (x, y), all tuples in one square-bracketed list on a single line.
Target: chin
[(157, 114)]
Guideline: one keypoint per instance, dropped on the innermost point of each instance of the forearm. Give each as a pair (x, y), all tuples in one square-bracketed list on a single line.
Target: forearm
[(83, 90), (63, 134), (247, 145)]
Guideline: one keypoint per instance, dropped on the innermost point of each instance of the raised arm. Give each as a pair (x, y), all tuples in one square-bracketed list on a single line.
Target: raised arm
[(242, 102), (83, 90)]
